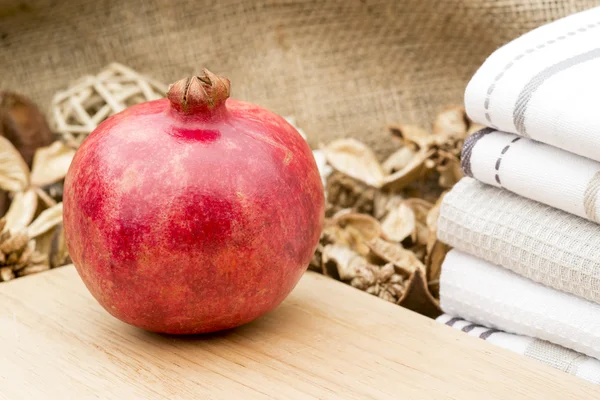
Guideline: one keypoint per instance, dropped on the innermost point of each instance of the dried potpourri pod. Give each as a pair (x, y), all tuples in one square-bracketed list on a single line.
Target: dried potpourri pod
[(405, 261), (24, 223), (18, 253), (49, 167), (22, 123), (418, 298), (344, 264), (399, 223), (451, 122), (345, 192), (355, 160)]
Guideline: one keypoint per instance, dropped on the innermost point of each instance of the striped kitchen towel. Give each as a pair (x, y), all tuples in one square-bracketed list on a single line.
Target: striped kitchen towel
[(534, 170), (544, 85), (566, 360), (490, 295), (539, 242)]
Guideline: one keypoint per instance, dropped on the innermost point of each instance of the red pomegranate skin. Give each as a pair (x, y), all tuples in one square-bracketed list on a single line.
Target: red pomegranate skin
[(186, 224)]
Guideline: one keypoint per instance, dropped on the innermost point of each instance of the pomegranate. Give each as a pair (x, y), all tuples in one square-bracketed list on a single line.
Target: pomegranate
[(194, 213)]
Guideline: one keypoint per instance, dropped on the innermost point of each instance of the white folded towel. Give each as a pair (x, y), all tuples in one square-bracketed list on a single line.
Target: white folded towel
[(545, 85), (493, 296), (535, 170), (534, 240), (556, 356)]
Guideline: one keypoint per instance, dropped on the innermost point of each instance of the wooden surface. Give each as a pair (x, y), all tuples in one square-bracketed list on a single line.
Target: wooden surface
[(327, 340)]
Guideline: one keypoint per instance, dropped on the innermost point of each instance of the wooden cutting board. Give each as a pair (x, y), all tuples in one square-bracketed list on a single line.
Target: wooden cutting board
[(326, 341)]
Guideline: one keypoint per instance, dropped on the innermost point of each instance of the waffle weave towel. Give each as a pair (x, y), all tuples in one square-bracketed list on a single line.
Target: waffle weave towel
[(534, 170), (544, 85), (556, 356), (539, 242), (490, 295)]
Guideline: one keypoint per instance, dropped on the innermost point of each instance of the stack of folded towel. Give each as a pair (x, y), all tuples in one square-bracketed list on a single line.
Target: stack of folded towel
[(525, 222)]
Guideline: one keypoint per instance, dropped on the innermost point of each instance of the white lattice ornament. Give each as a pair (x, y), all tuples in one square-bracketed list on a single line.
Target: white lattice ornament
[(78, 110)]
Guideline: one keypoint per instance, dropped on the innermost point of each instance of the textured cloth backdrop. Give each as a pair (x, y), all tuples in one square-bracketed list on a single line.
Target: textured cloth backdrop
[(539, 242), (544, 85), (556, 356), (534, 170), (342, 67), (493, 296)]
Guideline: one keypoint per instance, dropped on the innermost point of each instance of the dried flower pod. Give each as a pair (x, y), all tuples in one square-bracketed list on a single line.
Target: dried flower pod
[(398, 160), (6, 274), (434, 260), (14, 244), (22, 123), (59, 255), (356, 160), (410, 173), (47, 220), (33, 269), (387, 295), (341, 262), (418, 298), (451, 122), (449, 169), (26, 254), (386, 272), (404, 260), (384, 202), (50, 164), (367, 226), (21, 211), (315, 262), (346, 192), (366, 277), (14, 172), (399, 223), (413, 136)]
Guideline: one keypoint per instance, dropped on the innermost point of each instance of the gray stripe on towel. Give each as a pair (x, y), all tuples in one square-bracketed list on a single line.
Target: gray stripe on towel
[(467, 149), (533, 85)]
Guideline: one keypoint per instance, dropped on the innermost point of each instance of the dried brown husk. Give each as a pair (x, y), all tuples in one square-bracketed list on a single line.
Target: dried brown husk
[(384, 202), (355, 160), (399, 223), (47, 220), (398, 160), (418, 298), (451, 122), (50, 164), (14, 172), (345, 192), (340, 262), (404, 260), (21, 211), (413, 136), (365, 225), (450, 172), (22, 124), (59, 255), (410, 173)]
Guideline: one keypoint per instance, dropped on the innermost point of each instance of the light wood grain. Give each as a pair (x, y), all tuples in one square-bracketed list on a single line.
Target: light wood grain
[(327, 341)]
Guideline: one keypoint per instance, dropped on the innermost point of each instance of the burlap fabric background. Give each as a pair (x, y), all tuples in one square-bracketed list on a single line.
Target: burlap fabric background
[(342, 67)]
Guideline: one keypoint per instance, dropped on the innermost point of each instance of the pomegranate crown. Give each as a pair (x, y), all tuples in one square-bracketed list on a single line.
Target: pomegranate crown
[(197, 93)]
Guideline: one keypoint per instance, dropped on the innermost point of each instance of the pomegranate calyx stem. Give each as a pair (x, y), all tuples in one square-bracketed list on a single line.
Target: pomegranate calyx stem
[(199, 93)]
